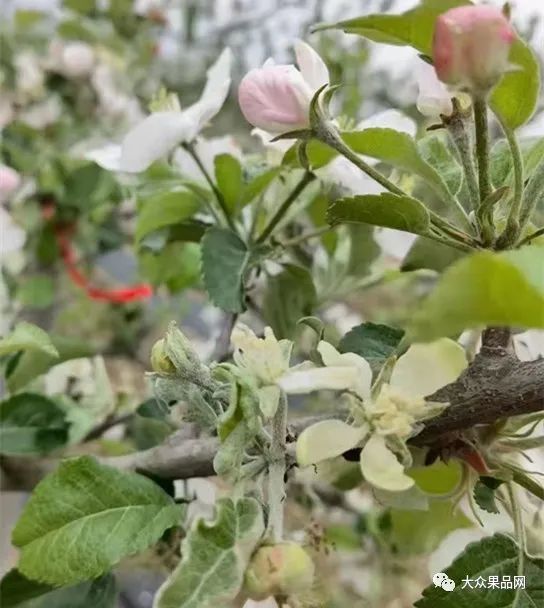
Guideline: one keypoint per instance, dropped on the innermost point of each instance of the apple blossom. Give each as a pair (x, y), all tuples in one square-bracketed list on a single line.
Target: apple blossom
[(77, 59), (471, 46), (276, 98), (384, 420), (162, 131)]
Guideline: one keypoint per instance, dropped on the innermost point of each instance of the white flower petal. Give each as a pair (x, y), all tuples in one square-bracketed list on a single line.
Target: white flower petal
[(268, 603), (311, 66), (108, 157), (433, 97), (215, 91), (332, 358), (425, 368), (319, 378), (153, 138), (12, 236), (327, 439), (381, 468)]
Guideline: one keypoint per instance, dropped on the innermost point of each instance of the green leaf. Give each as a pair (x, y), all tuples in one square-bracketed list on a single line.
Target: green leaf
[(33, 363), (516, 96), (83, 518), (388, 210), (36, 291), (31, 424), (290, 295), (418, 532), (258, 184), (493, 556), (215, 557), (501, 166), (27, 337), (372, 341), (413, 28), (177, 266), (225, 259), (17, 591), (434, 150), (164, 210), (80, 6), (228, 175), (425, 253), (479, 291), (484, 493), (88, 186)]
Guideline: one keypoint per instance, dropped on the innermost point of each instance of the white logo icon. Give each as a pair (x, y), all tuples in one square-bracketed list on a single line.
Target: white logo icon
[(441, 579)]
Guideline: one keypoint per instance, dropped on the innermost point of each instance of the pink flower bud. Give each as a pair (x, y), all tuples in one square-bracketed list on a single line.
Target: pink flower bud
[(276, 98), (471, 46)]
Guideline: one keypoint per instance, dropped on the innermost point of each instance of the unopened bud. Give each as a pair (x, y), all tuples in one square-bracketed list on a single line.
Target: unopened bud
[(283, 569), (160, 362), (471, 47)]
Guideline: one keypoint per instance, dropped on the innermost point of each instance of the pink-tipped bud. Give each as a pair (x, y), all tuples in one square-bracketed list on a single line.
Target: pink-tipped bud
[(471, 47), (275, 98)]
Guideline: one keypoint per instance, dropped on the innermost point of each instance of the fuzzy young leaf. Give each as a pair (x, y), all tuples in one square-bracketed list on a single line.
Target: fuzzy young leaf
[(83, 518), (497, 556), (27, 337), (225, 259), (31, 424), (229, 178), (215, 557), (477, 291), (388, 210), (435, 151), (17, 591), (372, 341)]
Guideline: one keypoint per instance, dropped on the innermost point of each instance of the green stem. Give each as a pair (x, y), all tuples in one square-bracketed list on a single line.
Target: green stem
[(190, 149), (462, 140), (485, 220), (482, 146), (276, 471), (307, 236), (531, 237), (520, 536), (527, 482), (512, 230), (451, 231), (284, 207), (533, 193), (329, 136)]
